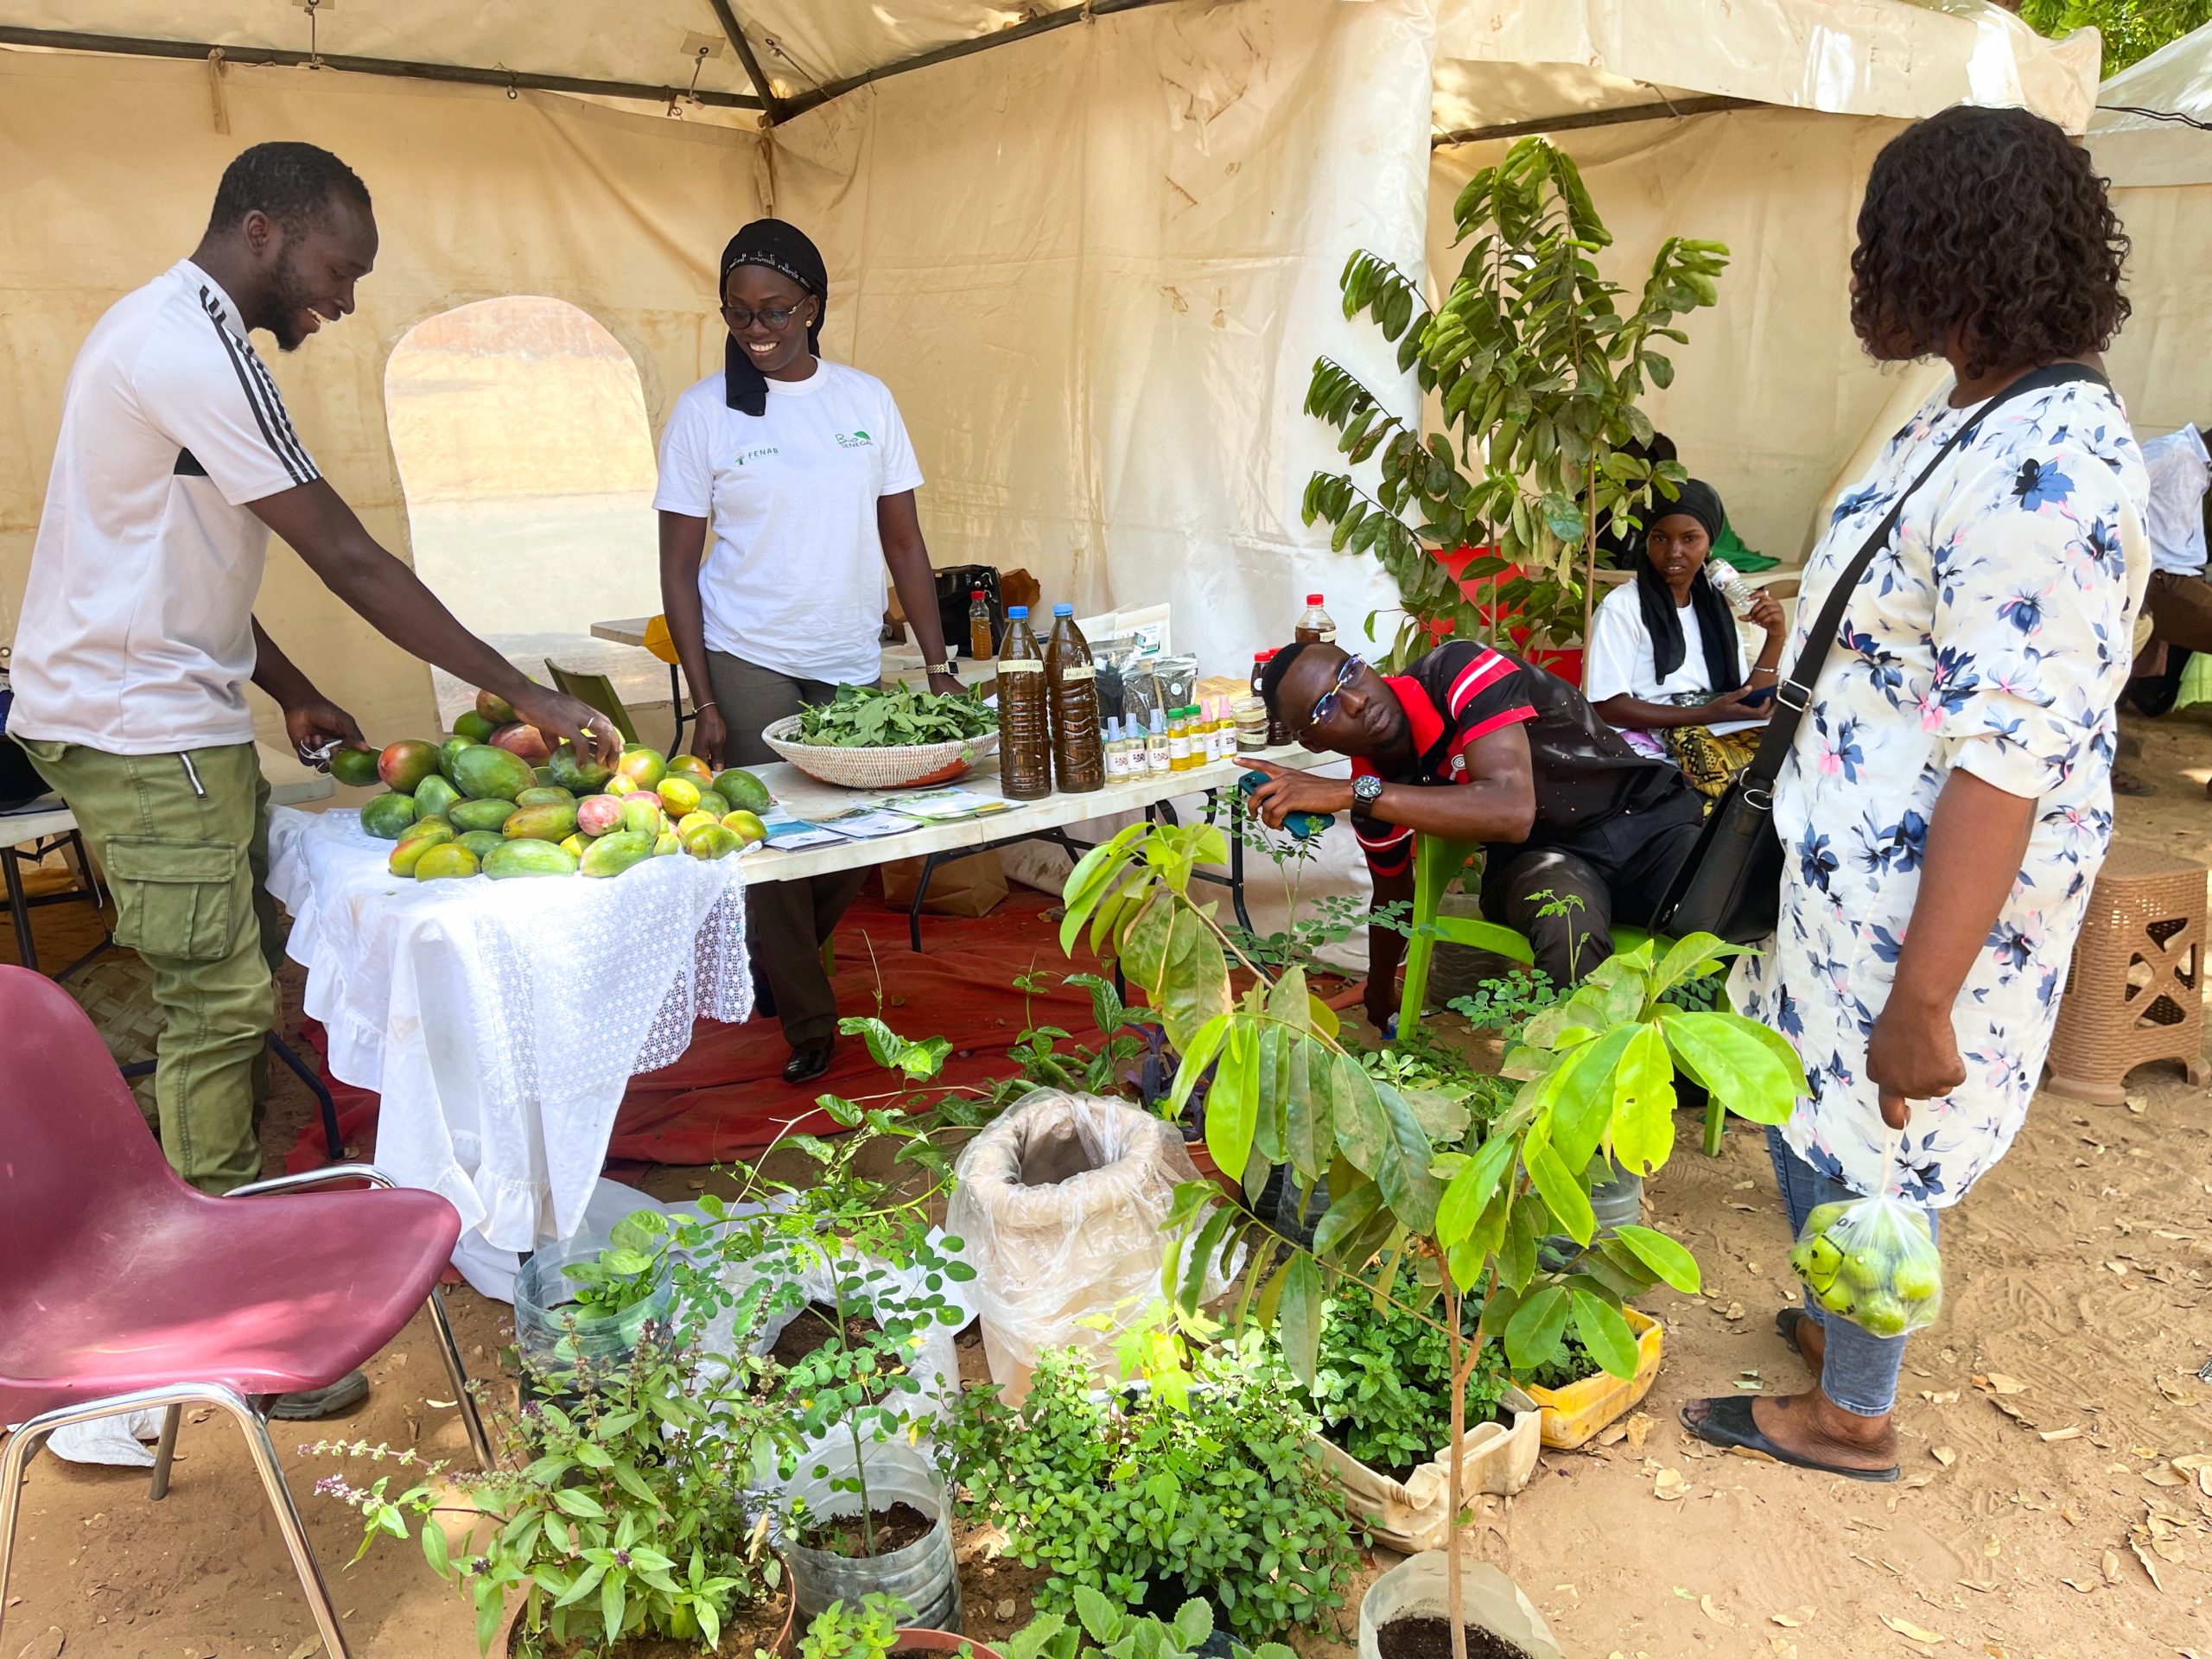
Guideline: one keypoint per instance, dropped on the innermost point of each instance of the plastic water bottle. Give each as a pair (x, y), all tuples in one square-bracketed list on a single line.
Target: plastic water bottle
[(1024, 724), (1072, 680)]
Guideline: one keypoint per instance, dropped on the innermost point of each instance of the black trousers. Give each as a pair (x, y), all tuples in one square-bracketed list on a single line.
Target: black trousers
[(1567, 904), (786, 921)]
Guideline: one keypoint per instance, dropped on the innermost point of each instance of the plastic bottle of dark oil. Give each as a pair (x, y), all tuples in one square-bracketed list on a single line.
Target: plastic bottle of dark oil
[(1025, 721), (1079, 749)]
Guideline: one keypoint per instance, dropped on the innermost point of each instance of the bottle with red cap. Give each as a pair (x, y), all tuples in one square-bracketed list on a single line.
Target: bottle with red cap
[(1314, 628)]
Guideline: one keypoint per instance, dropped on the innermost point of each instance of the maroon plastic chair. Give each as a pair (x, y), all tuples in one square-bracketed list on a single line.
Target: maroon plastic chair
[(123, 1289)]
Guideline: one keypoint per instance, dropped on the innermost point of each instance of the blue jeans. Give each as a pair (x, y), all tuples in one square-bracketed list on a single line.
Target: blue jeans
[(1859, 1370)]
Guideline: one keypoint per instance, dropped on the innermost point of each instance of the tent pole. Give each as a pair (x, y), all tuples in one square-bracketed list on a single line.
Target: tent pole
[(517, 80), (1664, 111), (727, 15)]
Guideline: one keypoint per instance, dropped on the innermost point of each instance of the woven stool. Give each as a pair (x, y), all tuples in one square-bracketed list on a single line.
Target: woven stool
[(2135, 992)]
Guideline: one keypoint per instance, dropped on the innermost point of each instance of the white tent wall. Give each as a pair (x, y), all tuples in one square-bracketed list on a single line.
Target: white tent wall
[(2161, 176), (109, 165)]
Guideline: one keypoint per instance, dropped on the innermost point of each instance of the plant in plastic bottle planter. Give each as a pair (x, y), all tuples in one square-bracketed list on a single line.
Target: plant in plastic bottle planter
[(568, 1324), (1571, 1414), (1062, 1204), (839, 1482), (1489, 1603)]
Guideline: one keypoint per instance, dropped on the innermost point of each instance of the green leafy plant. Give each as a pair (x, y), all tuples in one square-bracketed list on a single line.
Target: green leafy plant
[(1078, 1069), (621, 1513), (1509, 1003), (1538, 373), (863, 717), (631, 1269), (2132, 29), (1382, 1387), (1334, 918), (843, 1631), (1202, 1479), (1120, 1634), (1596, 1075)]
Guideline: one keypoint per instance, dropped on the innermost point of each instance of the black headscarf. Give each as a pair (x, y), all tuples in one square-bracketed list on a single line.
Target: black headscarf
[(1717, 624), (780, 247)]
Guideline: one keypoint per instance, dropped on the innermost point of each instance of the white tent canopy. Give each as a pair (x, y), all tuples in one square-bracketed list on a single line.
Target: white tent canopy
[(2151, 138), (1092, 248)]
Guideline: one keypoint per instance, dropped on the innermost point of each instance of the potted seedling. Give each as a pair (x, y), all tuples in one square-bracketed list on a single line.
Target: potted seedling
[(875, 1629), (1119, 1634), (1430, 1230)]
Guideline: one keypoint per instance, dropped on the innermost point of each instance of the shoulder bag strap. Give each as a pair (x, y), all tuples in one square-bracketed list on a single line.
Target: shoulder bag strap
[(1795, 694)]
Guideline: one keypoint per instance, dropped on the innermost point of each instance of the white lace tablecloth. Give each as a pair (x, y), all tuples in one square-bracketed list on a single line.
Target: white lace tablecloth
[(501, 1020)]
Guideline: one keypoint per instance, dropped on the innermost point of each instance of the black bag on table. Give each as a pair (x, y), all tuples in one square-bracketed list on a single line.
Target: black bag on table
[(1730, 884)]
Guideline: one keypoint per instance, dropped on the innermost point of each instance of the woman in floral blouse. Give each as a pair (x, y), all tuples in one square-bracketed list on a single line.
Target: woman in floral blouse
[(1948, 799)]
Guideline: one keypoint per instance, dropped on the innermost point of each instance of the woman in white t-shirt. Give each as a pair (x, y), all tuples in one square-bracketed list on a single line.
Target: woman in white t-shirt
[(802, 470), (1665, 666)]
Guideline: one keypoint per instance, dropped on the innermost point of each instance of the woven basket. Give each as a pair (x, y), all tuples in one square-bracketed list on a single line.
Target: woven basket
[(899, 767)]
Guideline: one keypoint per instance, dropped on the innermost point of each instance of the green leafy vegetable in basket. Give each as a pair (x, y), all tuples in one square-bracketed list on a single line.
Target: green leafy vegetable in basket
[(859, 718)]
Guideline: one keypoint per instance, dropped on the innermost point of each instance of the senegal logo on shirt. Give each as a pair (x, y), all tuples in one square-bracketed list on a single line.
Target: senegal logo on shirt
[(854, 440)]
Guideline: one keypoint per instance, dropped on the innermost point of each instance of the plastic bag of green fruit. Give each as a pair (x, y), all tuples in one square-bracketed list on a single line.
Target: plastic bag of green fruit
[(1873, 1261)]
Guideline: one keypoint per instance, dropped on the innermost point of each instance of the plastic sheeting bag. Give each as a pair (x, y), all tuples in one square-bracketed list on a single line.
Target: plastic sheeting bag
[(1490, 1601), (1872, 1261), (1061, 1203)]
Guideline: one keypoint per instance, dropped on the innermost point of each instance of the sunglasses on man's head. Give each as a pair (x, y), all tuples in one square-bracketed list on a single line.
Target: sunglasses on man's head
[(1325, 704)]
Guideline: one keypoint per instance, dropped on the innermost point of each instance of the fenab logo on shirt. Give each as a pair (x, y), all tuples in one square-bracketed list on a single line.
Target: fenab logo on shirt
[(854, 440), (760, 453)]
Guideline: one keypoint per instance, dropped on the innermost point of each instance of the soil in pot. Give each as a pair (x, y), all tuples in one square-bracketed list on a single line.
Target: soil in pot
[(814, 1328), (1426, 1637), (842, 1535)]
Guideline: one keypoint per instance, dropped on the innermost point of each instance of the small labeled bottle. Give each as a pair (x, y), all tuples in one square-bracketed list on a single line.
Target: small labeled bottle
[(1224, 728), (1314, 628), (1251, 715), (1078, 745), (1025, 720), (1179, 741), (1158, 756), (1117, 752), (979, 626)]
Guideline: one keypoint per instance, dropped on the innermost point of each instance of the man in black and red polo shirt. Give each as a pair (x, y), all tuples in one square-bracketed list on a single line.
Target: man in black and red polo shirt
[(1564, 809)]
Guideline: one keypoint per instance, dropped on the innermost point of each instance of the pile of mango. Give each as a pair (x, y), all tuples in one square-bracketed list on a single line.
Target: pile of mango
[(493, 800)]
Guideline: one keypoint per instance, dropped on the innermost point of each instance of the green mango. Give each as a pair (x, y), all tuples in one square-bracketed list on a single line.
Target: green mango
[(435, 798), (566, 769), (474, 726), (545, 778), (385, 816), (426, 826), (481, 842), (491, 814), (667, 844), (715, 801), (448, 752), (544, 794), (406, 763), (642, 814), (612, 855), (555, 821), (356, 768), (485, 774), (692, 821), (712, 841), (572, 845), (410, 851), (742, 791), (643, 766), (510, 859), (449, 861)]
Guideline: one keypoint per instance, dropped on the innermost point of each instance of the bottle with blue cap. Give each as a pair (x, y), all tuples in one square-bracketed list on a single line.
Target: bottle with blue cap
[(1072, 681), (1025, 720)]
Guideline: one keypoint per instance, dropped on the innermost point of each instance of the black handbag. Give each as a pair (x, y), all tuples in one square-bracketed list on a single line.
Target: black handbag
[(1730, 884)]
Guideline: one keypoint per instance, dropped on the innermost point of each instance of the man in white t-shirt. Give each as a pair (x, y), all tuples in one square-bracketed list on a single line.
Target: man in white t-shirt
[(2178, 600), (175, 458)]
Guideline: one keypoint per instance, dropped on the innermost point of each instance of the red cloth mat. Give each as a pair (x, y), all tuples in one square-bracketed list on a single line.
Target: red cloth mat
[(726, 1096)]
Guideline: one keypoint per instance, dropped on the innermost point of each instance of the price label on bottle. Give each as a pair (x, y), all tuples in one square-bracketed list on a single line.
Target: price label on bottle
[(1021, 667), (1079, 671)]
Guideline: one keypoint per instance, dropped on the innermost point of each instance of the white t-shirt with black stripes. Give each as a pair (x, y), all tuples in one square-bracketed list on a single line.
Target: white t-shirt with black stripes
[(136, 633)]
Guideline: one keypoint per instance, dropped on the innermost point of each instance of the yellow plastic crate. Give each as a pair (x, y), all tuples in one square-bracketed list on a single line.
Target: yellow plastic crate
[(1572, 1414)]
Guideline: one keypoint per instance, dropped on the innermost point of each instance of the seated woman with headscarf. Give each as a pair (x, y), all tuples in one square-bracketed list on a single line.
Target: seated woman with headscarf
[(1664, 666)]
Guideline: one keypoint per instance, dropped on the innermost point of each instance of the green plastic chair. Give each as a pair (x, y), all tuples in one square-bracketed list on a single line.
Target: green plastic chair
[(594, 691)]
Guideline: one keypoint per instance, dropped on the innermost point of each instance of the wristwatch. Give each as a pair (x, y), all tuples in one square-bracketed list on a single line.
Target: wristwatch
[(945, 667), (1366, 790)]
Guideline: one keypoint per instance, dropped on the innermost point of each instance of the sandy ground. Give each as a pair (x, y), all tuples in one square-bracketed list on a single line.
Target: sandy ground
[(2040, 1517)]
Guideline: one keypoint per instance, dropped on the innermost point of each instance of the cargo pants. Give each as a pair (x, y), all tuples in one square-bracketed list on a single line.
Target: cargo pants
[(183, 839)]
